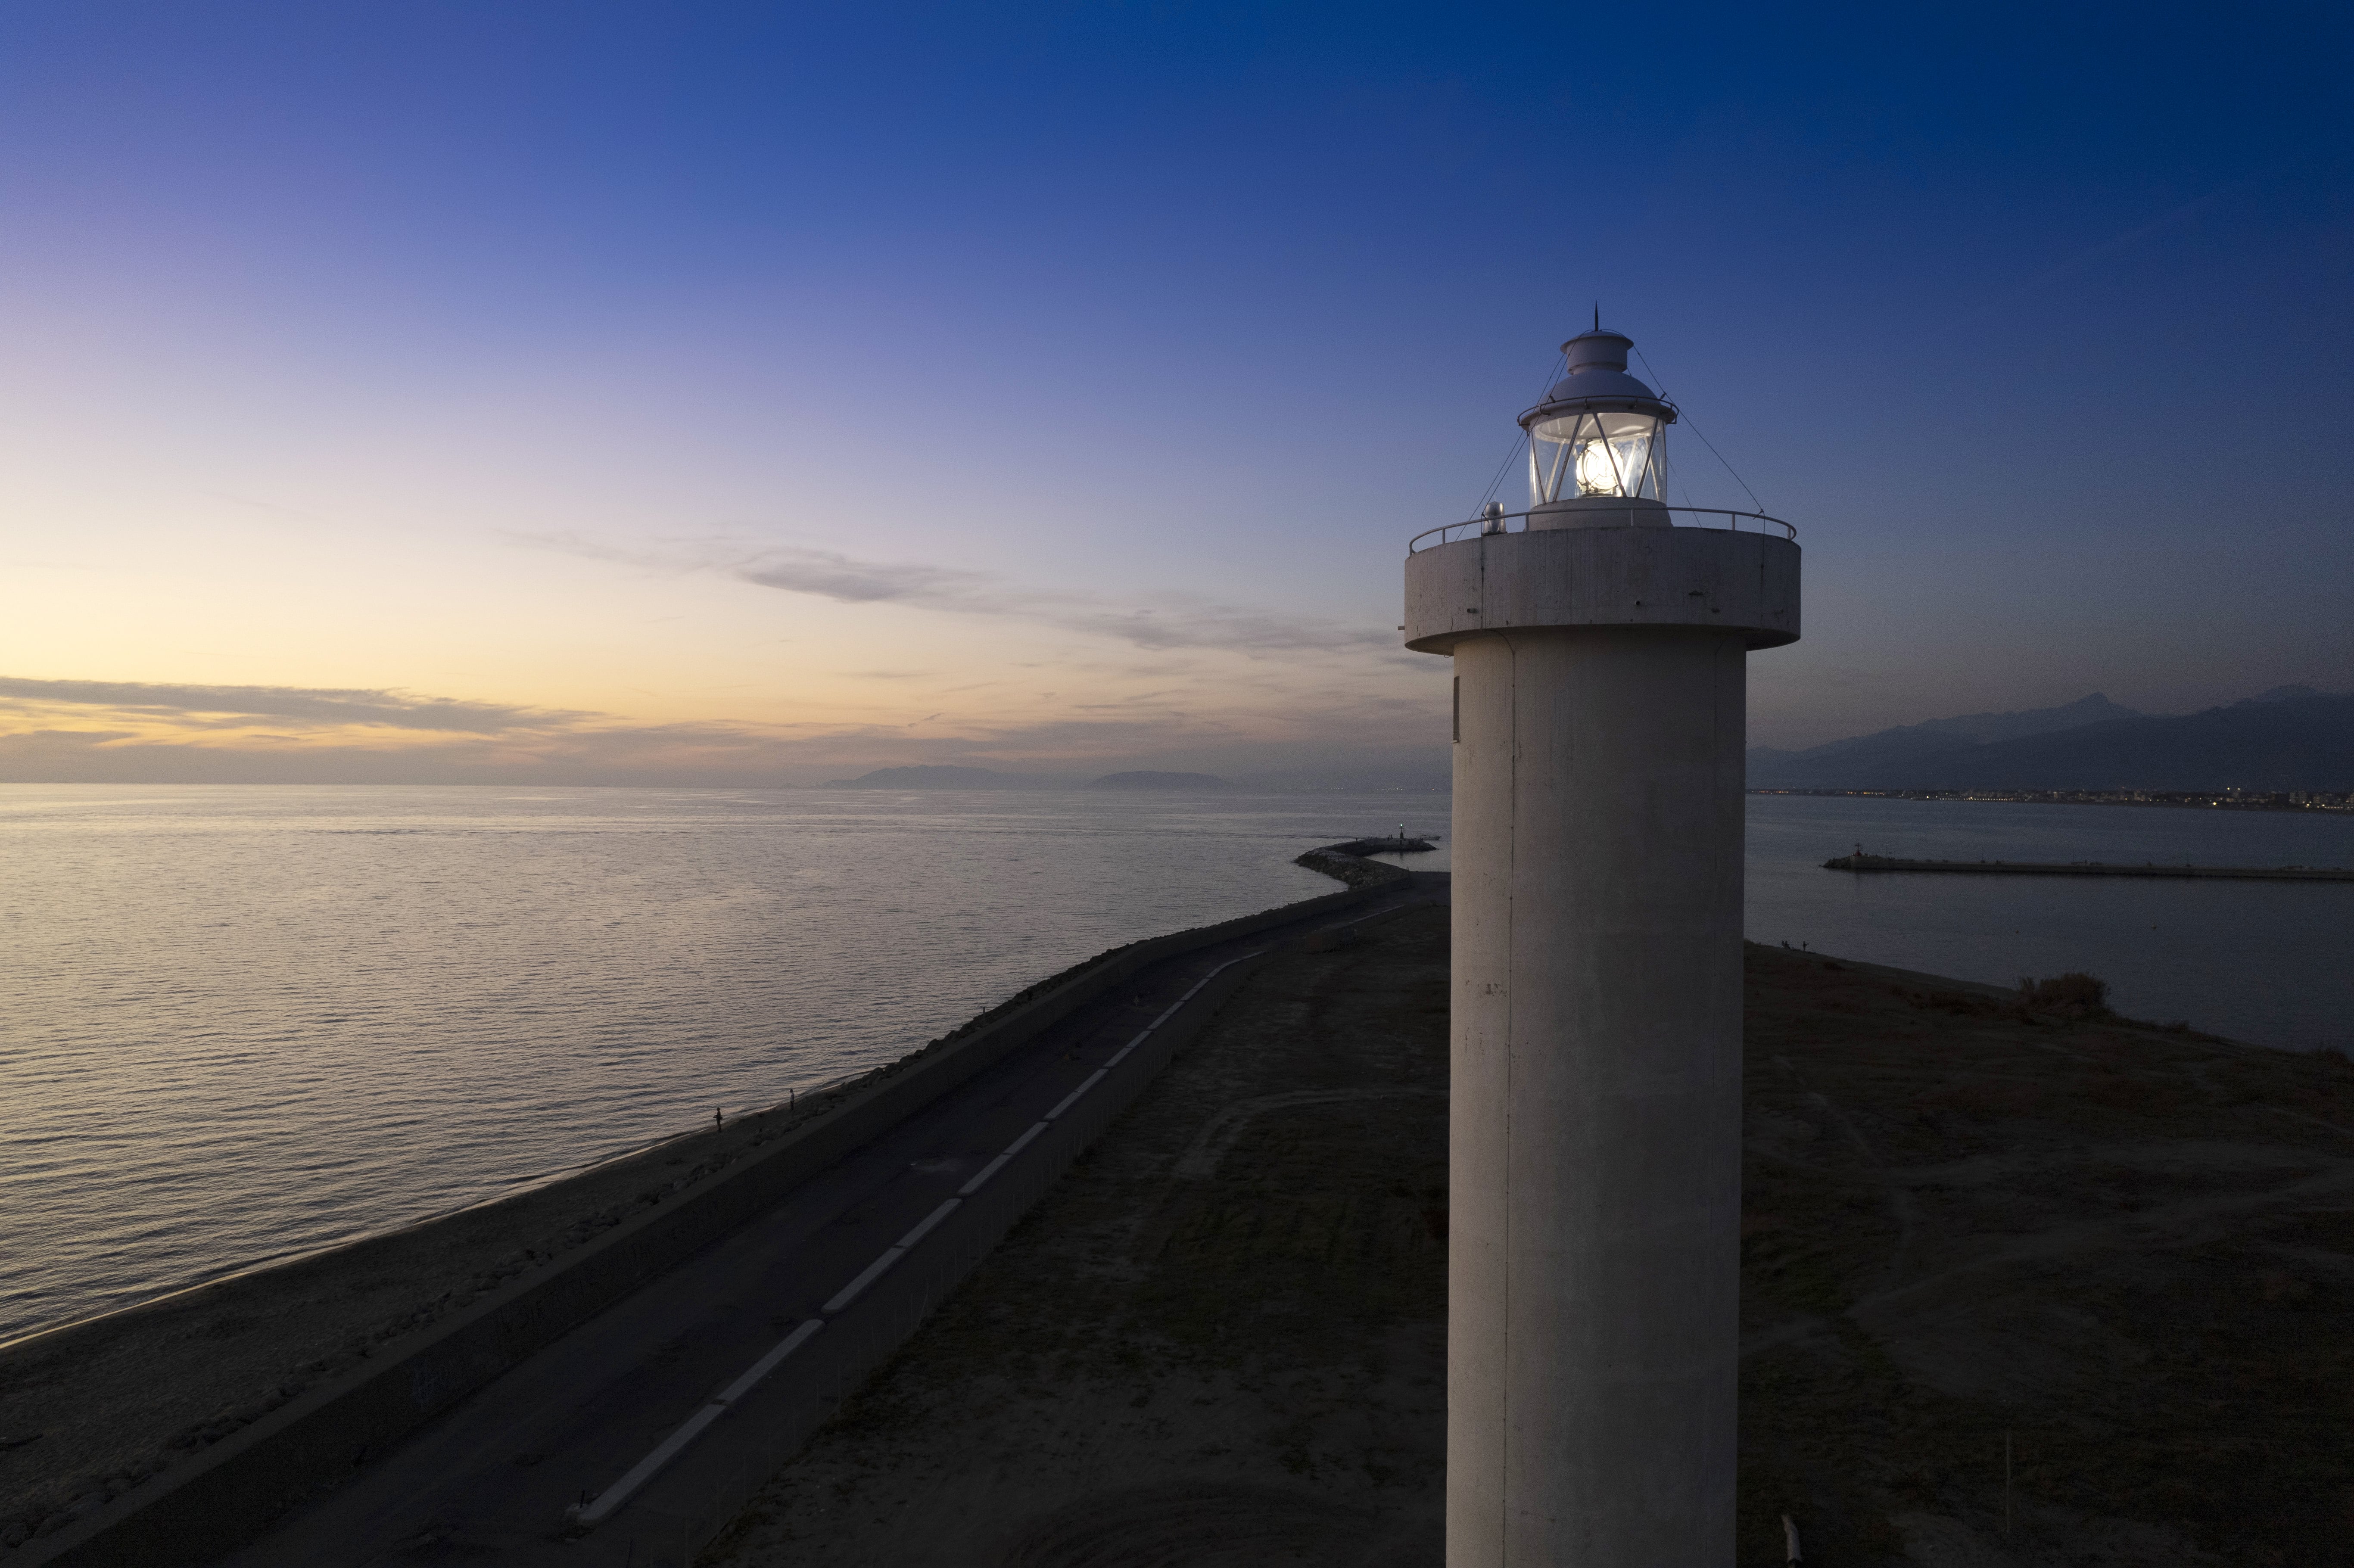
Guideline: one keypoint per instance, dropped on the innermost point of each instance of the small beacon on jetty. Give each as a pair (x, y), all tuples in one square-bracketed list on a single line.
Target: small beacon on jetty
[(1600, 640)]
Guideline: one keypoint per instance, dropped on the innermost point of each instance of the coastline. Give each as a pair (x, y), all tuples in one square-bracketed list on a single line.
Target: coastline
[(218, 1079), (2176, 799), (1864, 1034), (112, 1402), (1860, 863)]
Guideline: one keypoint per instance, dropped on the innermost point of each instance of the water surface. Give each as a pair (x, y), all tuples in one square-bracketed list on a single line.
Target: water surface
[(245, 1021), (241, 1021), (2261, 961)]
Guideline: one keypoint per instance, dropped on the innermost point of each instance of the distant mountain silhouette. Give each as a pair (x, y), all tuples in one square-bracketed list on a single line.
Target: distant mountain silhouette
[(2278, 694), (1415, 773), (931, 778), (1902, 752), (2260, 743), (2290, 738), (1148, 779)]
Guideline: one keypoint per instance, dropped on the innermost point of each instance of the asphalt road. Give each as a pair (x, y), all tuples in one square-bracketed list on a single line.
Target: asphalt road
[(626, 1441)]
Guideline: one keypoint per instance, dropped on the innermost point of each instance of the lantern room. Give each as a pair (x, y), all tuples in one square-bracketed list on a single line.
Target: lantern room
[(1596, 455)]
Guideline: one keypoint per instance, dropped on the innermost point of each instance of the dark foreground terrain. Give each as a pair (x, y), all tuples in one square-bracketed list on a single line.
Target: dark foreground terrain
[(1220, 1339)]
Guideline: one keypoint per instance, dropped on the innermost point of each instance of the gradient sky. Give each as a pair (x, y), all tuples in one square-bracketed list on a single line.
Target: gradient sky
[(748, 393)]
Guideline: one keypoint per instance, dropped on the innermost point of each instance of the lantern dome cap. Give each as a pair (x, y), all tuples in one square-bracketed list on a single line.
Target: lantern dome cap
[(1597, 368), (1600, 348), (1598, 379)]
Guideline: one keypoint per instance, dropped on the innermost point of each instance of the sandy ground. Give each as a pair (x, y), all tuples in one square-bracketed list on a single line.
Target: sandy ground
[(1220, 1339)]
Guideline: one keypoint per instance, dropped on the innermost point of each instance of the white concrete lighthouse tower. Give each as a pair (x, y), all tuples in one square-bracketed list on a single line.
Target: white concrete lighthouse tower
[(1594, 1282)]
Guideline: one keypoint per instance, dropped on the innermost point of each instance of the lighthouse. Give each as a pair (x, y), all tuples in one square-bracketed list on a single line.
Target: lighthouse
[(1600, 640)]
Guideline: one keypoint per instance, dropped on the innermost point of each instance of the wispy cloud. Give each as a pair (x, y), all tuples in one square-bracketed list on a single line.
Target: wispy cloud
[(838, 577), (310, 706), (1157, 621), (143, 732)]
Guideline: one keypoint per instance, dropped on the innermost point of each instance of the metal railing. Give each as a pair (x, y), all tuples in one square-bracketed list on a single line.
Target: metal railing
[(1472, 528)]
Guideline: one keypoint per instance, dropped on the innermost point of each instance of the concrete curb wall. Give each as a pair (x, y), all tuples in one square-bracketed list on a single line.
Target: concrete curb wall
[(233, 1491)]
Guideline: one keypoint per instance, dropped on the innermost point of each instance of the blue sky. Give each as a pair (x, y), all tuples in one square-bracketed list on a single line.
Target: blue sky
[(744, 392)]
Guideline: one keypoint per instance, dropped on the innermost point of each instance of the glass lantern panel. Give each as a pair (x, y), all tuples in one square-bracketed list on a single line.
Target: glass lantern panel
[(1594, 454)]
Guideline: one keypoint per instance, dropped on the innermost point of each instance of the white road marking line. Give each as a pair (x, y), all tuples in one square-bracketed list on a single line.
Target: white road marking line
[(923, 1227), (849, 1293), (991, 1168), (1012, 1149), (891, 1254), (768, 1363), (1167, 1011), (1098, 1077), (644, 1470)]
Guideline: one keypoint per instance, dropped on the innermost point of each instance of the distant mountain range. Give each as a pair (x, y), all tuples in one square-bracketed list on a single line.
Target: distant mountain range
[(1416, 772), (1908, 748), (2290, 738), (931, 778), (1147, 779)]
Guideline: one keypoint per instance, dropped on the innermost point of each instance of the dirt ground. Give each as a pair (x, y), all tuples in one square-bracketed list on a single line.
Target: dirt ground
[(2128, 1253), (2129, 1250)]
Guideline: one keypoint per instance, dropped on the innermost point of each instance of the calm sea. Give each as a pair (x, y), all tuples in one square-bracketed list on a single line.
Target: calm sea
[(240, 1022), (2271, 962)]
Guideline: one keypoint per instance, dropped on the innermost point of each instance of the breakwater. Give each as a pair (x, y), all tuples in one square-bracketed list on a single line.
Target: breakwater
[(1381, 846), (1347, 861), (1860, 860), (2197, 800)]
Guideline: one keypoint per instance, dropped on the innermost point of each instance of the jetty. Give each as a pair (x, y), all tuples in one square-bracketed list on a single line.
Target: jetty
[(1399, 845), (1860, 860)]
